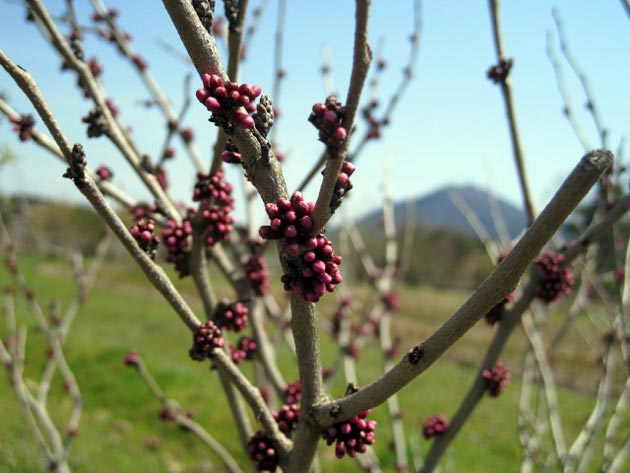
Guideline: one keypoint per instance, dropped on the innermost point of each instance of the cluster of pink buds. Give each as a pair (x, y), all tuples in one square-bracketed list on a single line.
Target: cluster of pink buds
[(352, 436), (257, 274), (343, 185), (224, 99), (131, 358), (316, 272), (175, 238), (104, 173), (169, 153), (206, 338), (140, 63), (555, 279), (212, 188), (166, 415), (144, 210), (292, 393), (110, 14), (161, 176), (287, 418), (230, 154), (112, 107), (143, 232), (390, 301), (96, 68), (499, 72), (262, 451), (231, 316), (434, 426), (290, 220), (245, 349), (23, 125), (217, 224), (496, 379), (328, 118), (187, 134)]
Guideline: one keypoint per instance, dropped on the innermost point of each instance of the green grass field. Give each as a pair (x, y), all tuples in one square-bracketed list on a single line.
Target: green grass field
[(120, 430)]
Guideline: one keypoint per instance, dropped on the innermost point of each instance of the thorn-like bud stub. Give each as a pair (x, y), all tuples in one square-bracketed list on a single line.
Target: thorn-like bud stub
[(224, 99), (143, 232), (262, 451), (206, 338), (328, 118), (496, 379), (499, 72), (351, 436), (434, 426), (555, 279), (23, 125)]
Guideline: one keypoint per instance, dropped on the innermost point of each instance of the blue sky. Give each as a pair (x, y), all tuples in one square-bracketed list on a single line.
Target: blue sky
[(450, 127)]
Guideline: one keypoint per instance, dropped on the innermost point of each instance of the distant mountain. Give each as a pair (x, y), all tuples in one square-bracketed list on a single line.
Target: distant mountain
[(438, 210)]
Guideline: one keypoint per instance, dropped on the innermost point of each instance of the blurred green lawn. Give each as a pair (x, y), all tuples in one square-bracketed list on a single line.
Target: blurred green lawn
[(120, 430)]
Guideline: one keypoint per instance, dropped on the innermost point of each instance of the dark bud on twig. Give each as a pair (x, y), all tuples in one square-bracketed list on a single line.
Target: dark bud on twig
[(499, 72), (205, 12), (231, 13), (263, 117), (75, 39), (97, 123), (76, 171), (415, 355)]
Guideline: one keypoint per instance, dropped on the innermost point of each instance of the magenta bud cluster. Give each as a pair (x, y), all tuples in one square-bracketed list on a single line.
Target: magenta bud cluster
[(175, 238), (328, 117), (213, 188), (434, 426), (291, 220), (144, 210), (316, 271), (292, 393), (161, 176), (343, 184), (262, 451), (351, 436), (104, 173), (230, 154), (187, 134), (496, 379), (231, 316), (23, 125), (224, 99), (555, 279), (206, 338), (390, 301), (245, 349), (287, 418), (257, 274), (131, 358), (143, 233), (217, 223)]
